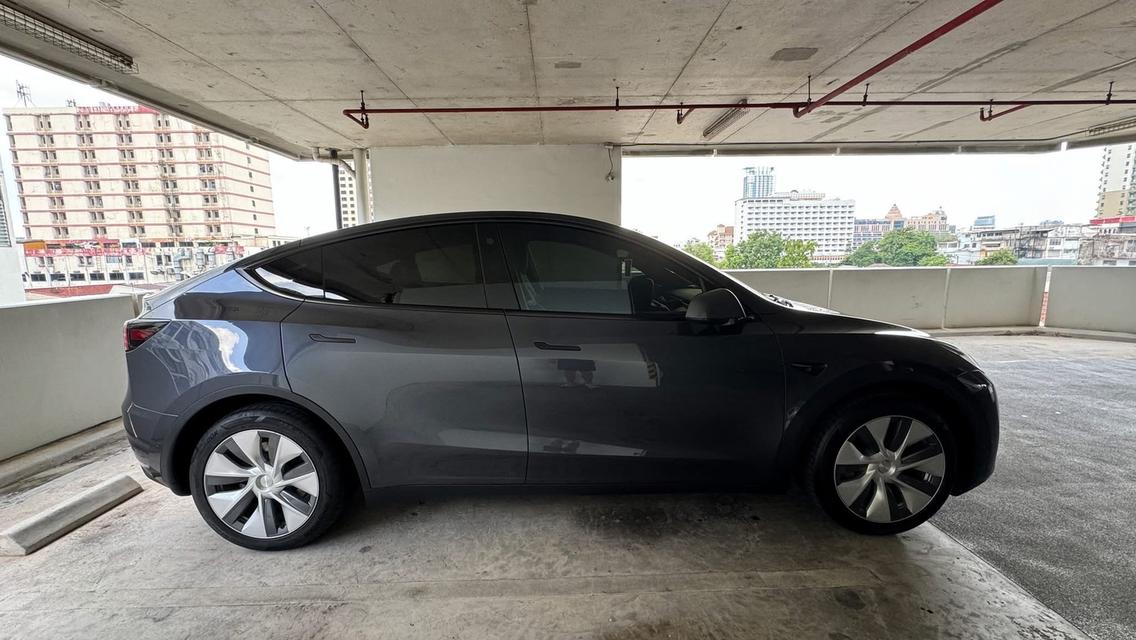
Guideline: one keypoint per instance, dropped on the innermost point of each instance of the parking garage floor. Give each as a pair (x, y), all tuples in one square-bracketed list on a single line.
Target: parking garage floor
[(643, 566)]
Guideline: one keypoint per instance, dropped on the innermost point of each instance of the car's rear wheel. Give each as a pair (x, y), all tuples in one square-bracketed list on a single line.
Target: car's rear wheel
[(882, 465), (266, 478)]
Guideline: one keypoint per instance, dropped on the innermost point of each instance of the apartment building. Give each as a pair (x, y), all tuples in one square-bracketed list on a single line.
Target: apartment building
[(127, 194)]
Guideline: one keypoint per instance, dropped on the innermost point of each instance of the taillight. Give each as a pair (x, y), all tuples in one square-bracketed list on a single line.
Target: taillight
[(135, 332)]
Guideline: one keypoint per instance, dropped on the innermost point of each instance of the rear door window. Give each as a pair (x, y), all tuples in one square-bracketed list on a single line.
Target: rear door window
[(430, 266)]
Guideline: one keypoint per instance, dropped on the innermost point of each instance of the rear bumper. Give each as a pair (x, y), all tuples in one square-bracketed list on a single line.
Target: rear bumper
[(145, 434)]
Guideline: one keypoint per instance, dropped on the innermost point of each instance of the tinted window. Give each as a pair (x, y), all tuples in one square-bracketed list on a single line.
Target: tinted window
[(436, 266), (300, 273), (559, 268)]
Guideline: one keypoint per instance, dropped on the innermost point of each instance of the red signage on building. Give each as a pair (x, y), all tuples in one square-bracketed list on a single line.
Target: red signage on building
[(106, 108), (1116, 220)]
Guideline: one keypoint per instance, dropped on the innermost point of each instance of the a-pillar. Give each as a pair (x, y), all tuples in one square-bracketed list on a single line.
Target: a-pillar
[(581, 180)]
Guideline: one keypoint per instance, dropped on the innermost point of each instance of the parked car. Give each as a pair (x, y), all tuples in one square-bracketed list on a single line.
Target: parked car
[(534, 349)]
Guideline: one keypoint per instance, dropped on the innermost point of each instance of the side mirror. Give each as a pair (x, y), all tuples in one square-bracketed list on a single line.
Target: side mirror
[(717, 307)]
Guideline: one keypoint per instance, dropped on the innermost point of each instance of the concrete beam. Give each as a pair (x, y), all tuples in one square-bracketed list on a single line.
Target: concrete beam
[(581, 180)]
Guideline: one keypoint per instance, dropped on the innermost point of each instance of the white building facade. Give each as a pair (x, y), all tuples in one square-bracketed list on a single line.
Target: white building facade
[(113, 194), (800, 215), (1116, 195)]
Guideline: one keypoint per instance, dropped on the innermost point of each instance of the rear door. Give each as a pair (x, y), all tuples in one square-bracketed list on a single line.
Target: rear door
[(395, 340), (619, 388)]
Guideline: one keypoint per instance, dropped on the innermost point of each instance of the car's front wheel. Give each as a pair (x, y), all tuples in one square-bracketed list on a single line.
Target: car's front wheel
[(265, 477), (882, 465)]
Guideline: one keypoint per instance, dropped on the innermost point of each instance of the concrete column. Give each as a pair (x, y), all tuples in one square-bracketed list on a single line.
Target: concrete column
[(362, 187), (581, 180)]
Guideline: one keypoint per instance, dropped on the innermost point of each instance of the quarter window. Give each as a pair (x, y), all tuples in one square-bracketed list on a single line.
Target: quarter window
[(565, 269), (300, 273)]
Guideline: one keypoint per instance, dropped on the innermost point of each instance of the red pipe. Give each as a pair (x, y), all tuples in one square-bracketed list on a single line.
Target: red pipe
[(357, 113), (943, 30)]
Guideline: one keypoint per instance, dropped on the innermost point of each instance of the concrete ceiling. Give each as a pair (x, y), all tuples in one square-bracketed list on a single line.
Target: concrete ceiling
[(281, 71)]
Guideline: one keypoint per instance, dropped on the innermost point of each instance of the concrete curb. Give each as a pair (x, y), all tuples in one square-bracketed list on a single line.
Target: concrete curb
[(1051, 332), (52, 454), (46, 527)]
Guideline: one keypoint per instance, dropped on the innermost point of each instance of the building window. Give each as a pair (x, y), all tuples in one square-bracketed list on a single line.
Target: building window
[(129, 169), (86, 139), (122, 121)]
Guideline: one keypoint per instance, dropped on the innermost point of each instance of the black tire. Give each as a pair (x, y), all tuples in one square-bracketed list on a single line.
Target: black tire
[(820, 471), (295, 424)]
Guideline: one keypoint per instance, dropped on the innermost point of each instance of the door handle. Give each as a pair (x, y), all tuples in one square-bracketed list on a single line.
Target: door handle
[(556, 347), (319, 337)]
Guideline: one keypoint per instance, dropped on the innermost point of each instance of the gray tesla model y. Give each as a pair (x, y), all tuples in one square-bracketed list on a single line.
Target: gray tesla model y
[(507, 349)]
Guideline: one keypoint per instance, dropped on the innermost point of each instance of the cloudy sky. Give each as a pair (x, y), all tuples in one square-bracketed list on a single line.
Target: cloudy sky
[(679, 198)]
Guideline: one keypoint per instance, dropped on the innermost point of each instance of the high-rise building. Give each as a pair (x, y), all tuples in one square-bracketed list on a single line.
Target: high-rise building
[(1116, 195), (128, 194), (11, 285), (347, 201), (984, 222), (800, 215), (758, 182), (721, 237)]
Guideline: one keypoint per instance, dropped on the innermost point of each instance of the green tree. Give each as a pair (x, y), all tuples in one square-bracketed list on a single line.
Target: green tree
[(701, 250), (797, 254), (1001, 256), (899, 248), (937, 260), (768, 250), (864, 255), (906, 247)]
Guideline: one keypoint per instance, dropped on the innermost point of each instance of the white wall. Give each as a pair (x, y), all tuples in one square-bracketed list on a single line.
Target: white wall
[(1100, 298), (994, 297), (567, 179), (933, 298), (11, 285), (803, 285), (62, 368)]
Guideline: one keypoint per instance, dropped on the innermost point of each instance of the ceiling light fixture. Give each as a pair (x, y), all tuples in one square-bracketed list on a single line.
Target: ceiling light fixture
[(1111, 127), (46, 30), (720, 123)]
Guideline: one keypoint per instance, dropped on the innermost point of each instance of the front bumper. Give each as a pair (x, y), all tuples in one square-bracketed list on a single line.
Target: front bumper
[(982, 404)]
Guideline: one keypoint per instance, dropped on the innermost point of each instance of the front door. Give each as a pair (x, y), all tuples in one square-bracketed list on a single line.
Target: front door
[(620, 388)]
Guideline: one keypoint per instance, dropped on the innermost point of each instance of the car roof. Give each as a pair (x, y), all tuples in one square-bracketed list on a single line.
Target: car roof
[(443, 218)]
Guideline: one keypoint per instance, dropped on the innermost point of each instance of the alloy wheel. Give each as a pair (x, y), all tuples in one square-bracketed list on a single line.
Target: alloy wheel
[(889, 469), (261, 483)]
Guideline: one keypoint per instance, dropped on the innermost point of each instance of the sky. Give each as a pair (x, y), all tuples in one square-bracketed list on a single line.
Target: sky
[(677, 198), (680, 198)]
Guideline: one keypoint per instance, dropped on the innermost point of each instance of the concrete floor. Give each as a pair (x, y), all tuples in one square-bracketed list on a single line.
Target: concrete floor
[(1059, 514), (611, 567)]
